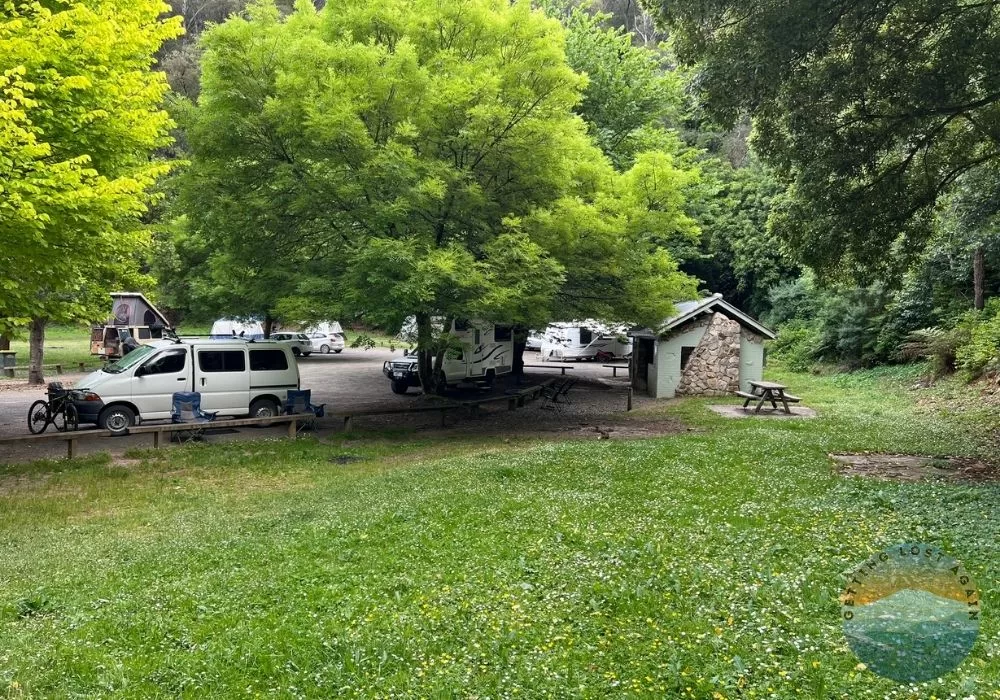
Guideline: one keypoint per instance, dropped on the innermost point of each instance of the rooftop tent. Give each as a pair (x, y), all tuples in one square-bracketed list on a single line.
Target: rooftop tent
[(132, 309), (229, 327)]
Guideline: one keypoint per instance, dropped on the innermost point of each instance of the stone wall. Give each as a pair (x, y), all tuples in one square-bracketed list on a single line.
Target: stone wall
[(714, 366)]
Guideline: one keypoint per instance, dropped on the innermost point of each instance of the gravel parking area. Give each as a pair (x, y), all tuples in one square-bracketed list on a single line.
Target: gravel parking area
[(354, 380)]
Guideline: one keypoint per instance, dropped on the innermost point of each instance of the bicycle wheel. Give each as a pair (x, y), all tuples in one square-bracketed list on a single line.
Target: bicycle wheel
[(38, 417), (68, 418)]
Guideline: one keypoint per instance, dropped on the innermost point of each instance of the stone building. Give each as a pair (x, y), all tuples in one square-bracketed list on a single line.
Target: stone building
[(710, 348)]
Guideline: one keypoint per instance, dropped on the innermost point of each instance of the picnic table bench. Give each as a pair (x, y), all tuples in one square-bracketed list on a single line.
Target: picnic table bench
[(615, 368), (549, 365), (767, 391)]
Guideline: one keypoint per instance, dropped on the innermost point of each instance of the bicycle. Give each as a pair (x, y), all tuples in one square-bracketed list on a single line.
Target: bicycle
[(58, 411)]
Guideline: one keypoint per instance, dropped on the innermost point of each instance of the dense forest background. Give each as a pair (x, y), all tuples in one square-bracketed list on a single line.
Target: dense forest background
[(858, 216)]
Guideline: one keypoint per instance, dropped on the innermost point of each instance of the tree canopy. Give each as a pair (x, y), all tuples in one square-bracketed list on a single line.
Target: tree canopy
[(414, 152), (871, 110), (80, 117)]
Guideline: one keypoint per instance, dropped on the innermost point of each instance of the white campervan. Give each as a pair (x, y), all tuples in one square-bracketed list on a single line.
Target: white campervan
[(234, 378), (487, 351), (584, 340)]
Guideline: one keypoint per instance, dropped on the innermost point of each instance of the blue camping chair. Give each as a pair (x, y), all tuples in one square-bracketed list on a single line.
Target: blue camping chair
[(186, 409), (298, 403)]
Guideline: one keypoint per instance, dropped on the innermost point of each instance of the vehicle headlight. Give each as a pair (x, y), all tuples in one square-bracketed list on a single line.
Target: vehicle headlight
[(84, 395)]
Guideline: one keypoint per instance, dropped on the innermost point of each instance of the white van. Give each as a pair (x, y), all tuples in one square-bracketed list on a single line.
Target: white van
[(234, 378)]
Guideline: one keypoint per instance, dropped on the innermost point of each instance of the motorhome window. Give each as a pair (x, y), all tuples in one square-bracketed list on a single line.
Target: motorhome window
[(222, 361), (477, 337), (144, 334), (462, 324), (502, 333), (586, 336), (686, 352), (267, 360), (170, 363)]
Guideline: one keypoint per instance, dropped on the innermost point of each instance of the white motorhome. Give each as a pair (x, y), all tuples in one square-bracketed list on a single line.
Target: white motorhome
[(234, 377), (487, 351), (584, 340)]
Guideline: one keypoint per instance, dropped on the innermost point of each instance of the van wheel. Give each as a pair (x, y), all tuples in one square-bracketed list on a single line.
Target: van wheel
[(263, 408), (337, 352), (325, 349), (306, 354), (399, 386), (117, 419)]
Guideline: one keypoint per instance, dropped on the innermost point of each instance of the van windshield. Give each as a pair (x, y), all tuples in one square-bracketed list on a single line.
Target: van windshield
[(130, 360)]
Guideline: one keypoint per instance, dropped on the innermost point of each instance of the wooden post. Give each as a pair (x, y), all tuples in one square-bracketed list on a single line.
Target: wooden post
[(71, 448), (347, 424), (156, 440), (443, 414), (291, 427), (629, 399), (58, 369), (82, 367)]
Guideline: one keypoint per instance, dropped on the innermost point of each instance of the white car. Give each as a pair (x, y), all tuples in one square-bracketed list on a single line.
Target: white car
[(300, 343), (327, 342)]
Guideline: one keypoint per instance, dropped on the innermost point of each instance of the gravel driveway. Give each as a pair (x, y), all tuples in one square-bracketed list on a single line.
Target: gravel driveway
[(352, 379)]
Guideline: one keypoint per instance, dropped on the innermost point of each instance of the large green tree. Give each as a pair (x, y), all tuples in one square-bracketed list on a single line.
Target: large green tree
[(409, 150), (872, 110), (79, 118)]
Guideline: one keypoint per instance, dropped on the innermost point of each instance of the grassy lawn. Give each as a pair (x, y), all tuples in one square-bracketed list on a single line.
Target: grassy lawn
[(702, 565)]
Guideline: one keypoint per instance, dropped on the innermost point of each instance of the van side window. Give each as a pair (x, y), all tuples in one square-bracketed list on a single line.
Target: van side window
[(144, 334), (502, 333), (266, 360), (222, 361), (169, 363)]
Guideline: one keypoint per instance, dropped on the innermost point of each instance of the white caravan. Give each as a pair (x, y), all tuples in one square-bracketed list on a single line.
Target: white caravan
[(487, 351), (230, 327), (585, 340), (234, 377)]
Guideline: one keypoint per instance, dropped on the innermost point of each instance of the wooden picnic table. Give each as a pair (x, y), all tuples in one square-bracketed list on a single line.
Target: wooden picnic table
[(772, 392)]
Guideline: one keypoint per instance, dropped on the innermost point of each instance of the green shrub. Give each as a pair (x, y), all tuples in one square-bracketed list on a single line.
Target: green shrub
[(980, 353), (796, 345)]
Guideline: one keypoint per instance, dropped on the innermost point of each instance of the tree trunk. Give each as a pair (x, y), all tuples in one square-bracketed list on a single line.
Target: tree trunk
[(36, 352), (978, 279), (520, 342), (268, 325), (425, 352)]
